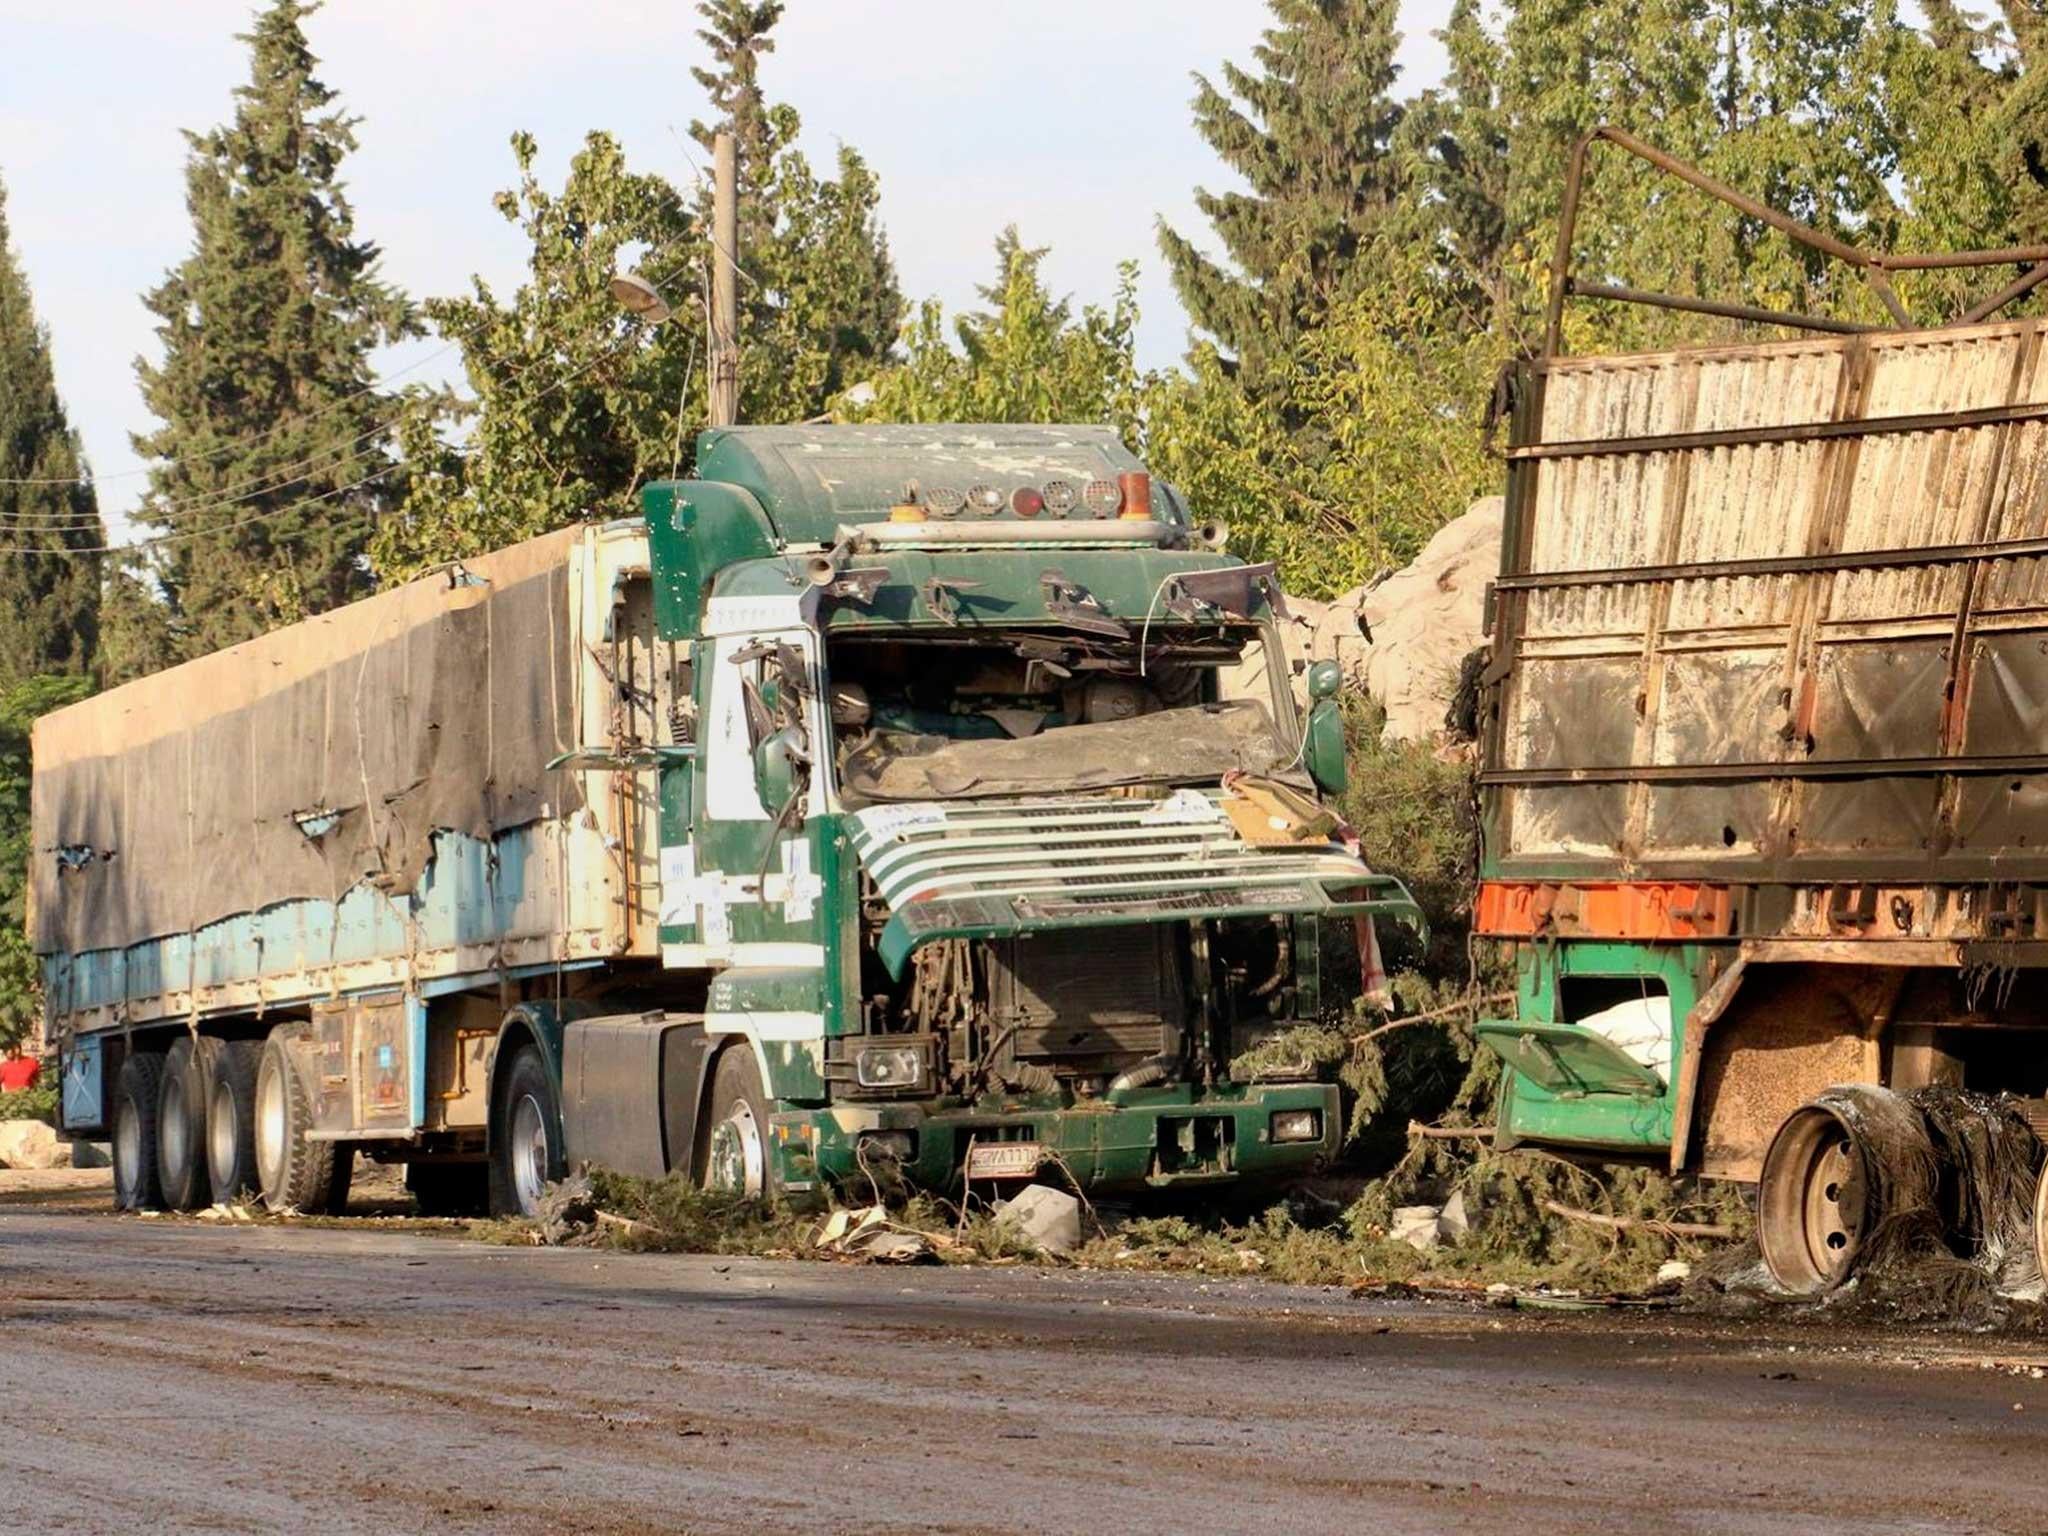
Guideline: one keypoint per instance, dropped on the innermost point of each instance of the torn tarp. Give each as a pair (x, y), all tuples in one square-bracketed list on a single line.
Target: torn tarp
[(296, 765)]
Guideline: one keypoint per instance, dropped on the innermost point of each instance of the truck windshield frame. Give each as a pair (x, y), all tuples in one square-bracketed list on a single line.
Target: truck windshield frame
[(1261, 658)]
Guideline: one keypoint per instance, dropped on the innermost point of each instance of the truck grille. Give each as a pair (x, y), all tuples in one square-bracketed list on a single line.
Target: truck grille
[(1087, 997)]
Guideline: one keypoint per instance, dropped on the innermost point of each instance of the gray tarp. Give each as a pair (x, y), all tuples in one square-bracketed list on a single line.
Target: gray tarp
[(300, 764), (1198, 744)]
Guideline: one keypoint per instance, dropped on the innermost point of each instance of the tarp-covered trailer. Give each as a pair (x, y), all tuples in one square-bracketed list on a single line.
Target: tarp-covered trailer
[(338, 822)]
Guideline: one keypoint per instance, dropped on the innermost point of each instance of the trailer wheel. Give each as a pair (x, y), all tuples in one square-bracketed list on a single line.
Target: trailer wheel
[(295, 1174), (449, 1189), (231, 1118), (181, 1124), (136, 1186), (526, 1138), (1838, 1168), (735, 1157)]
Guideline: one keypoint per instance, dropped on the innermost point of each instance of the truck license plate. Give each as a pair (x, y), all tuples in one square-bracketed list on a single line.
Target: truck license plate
[(1003, 1159)]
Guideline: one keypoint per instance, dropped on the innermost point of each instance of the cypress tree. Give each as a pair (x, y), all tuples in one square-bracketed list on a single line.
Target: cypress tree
[(1313, 135), (49, 515), (274, 449)]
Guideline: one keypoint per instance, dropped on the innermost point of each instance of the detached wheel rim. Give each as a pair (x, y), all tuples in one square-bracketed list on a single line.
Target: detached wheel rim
[(738, 1161), (1811, 1202), (270, 1131), (530, 1160)]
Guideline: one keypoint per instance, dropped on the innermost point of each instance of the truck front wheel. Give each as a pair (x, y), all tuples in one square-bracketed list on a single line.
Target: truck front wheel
[(526, 1138), (734, 1157), (311, 1177), (136, 1185)]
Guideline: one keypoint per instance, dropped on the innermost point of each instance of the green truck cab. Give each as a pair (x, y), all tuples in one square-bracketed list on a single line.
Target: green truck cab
[(946, 817)]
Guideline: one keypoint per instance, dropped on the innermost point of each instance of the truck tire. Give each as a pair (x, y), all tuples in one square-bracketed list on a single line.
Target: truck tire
[(526, 1137), (733, 1155), (449, 1189), (311, 1177), (231, 1119), (136, 1186), (1854, 1160), (181, 1124)]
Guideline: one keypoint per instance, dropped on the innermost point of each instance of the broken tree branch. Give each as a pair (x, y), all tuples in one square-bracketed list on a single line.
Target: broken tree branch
[(1448, 1132), (1463, 1005), (1701, 1229)]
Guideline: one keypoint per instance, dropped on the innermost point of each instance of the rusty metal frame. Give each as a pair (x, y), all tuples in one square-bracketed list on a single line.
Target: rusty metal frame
[(1876, 266), (1774, 565)]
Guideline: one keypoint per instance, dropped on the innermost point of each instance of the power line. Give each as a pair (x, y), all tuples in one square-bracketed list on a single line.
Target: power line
[(200, 533), (251, 490), (454, 340), (390, 469)]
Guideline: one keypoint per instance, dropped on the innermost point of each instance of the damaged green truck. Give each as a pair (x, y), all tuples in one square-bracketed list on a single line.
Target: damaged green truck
[(925, 800), (1764, 766)]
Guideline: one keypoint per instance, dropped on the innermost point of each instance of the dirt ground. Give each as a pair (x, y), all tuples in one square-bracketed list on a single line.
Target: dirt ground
[(176, 1375)]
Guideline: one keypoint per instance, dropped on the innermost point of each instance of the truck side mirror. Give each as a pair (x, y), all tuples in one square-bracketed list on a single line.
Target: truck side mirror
[(776, 757), (1323, 747)]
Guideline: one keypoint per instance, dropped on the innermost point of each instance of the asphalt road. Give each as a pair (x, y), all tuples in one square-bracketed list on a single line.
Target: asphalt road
[(167, 1376)]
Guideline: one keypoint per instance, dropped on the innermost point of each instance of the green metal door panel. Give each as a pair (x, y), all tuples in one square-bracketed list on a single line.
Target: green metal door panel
[(1569, 1086), (1566, 1061)]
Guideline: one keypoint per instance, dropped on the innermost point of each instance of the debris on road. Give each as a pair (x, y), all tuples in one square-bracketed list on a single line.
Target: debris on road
[(1047, 1218), (869, 1234)]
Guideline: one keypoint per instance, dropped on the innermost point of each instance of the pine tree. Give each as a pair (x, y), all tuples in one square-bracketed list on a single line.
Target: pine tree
[(1313, 135), (49, 515), (273, 454)]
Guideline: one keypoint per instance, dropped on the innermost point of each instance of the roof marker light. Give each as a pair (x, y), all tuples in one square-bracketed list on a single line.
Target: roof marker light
[(1060, 497), (1027, 501), (984, 500), (1103, 497)]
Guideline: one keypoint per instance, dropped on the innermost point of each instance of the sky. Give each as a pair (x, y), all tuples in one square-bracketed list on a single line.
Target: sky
[(1068, 118)]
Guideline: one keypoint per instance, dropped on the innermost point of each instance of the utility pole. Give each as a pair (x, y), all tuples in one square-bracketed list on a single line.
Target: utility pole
[(725, 343)]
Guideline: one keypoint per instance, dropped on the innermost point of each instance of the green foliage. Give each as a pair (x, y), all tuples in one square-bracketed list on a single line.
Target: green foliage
[(37, 1103), (273, 445), (49, 579), (1413, 808), (572, 404), (1024, 357), (572, 401), (136, 632), (20, 979), (1312, 134)]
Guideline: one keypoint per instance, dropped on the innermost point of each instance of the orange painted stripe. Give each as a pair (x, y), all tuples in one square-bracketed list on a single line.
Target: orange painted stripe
[(1604, 910)]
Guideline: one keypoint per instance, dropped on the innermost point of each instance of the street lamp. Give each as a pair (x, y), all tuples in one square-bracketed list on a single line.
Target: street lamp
[(637, 296)]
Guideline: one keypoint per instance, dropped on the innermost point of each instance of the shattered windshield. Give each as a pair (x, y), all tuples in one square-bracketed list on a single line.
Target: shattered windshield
[(940, 716)]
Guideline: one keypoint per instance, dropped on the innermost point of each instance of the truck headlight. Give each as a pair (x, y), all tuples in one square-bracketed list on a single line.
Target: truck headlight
[(1298, 1125), (888, 1066)]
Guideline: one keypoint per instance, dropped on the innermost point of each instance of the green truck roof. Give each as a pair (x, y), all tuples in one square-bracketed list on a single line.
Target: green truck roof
[(811, 479)]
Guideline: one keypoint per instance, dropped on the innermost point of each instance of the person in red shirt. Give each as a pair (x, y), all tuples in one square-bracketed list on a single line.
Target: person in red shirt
[(18, 1071)]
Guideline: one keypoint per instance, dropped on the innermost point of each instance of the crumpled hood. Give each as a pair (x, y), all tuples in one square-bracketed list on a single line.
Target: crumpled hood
[(995, 868)]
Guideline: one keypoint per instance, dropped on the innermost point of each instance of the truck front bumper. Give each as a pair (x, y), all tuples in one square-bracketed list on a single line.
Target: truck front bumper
[(1161, 1139)]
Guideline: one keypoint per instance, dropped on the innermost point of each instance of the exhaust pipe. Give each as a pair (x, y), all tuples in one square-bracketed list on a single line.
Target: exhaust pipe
[(1213, 535)]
